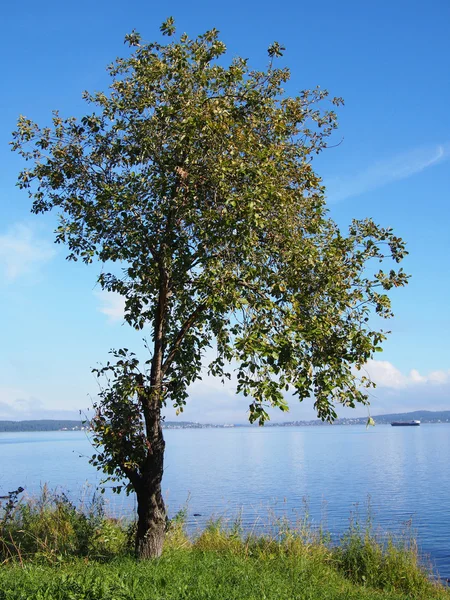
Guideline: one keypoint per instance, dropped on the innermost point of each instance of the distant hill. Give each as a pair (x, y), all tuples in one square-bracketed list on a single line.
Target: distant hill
[(67, 425), (424, 416), (40, 425)]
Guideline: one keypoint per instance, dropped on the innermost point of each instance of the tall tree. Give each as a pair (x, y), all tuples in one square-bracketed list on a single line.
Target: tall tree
[(197, 179)]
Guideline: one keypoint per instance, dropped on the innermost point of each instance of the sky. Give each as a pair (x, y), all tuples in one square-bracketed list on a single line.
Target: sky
[(390, 161)]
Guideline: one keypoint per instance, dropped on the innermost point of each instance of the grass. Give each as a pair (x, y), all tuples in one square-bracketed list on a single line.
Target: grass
[(49, 550)]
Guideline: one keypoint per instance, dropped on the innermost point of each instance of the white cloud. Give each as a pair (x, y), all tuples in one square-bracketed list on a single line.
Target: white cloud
[(416, 377), (22, 252), (384, 172), (111, 304), (385, 375)]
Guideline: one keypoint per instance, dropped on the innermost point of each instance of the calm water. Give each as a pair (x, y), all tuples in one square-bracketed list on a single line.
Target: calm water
[(262, 471)]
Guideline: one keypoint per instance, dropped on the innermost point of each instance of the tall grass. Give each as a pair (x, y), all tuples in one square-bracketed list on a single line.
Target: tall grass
[(51, 528), (363, 556), (382, 561)]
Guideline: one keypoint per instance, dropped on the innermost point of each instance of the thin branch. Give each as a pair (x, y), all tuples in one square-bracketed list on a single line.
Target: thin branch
[(152, 249), (181, 334)]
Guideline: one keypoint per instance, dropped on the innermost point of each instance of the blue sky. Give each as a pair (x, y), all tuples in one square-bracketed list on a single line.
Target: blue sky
[(388, 60)]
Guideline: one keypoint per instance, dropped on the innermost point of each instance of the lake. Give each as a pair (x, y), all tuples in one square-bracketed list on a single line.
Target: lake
[(263, 473)]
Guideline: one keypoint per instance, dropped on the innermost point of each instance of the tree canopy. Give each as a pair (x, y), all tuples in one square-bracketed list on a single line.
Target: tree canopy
[(196, 177)]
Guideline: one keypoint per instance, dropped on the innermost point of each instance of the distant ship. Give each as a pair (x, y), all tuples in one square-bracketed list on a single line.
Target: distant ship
[(405, 423)]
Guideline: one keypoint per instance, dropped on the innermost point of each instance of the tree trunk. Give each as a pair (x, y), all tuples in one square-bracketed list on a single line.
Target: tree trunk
[(151, 521), (151, 510), (150, 504)]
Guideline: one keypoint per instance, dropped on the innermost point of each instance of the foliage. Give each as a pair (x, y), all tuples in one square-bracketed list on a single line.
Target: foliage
[(195, 177), (12, 501), (118, 425)]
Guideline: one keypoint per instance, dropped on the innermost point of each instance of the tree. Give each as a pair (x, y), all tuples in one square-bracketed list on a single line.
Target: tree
[(196, 179)]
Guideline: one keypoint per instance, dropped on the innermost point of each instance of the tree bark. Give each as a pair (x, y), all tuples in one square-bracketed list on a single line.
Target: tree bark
[(151, 523), (150, 504)]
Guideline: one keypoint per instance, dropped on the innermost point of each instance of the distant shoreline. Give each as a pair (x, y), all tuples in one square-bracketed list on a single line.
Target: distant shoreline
[(41, 425)]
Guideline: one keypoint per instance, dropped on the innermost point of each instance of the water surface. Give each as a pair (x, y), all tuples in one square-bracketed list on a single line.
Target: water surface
[(271, 471)]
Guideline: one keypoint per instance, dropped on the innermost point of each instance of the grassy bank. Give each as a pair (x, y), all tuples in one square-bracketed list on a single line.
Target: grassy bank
[(50, 550)]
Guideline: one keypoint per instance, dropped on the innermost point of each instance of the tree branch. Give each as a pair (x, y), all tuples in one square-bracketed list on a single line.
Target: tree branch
[(178, 340), (132, 475)]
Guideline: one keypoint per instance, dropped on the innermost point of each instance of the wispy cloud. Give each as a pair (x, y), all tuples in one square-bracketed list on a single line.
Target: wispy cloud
[(384, 172), (22, 252), (19, 405), (111, 304)]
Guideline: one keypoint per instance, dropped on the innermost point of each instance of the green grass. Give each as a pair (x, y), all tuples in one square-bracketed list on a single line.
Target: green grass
[(193, 574), (49, 550)]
